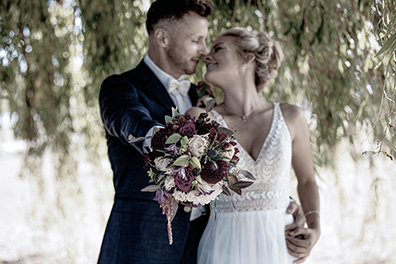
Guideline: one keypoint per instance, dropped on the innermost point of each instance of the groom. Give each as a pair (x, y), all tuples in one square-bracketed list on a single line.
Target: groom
[(131, 104)]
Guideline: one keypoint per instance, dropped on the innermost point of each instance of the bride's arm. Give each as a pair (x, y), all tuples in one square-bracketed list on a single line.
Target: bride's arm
[(303, 167)]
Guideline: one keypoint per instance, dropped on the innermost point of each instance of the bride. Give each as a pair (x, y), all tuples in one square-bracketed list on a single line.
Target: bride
[(272, 138)]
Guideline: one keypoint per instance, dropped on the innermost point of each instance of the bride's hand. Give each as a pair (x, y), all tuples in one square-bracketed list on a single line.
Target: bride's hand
[(300, 242)]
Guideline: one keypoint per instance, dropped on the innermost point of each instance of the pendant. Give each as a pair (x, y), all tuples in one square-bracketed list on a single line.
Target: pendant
[(243, 118)]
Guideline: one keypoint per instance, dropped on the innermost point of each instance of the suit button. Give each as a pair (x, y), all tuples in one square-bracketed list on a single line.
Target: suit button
[(187, 209)]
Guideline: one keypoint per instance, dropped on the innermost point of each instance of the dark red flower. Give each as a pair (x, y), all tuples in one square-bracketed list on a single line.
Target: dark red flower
[(221, 137), (158, 140), (225, 146), (187, 130), (215, 172), (184, 179)]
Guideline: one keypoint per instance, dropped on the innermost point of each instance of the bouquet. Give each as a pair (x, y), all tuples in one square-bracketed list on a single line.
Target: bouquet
[(192, 161)]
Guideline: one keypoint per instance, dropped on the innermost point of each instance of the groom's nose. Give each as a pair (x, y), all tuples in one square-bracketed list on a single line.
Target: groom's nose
[(203, 49)]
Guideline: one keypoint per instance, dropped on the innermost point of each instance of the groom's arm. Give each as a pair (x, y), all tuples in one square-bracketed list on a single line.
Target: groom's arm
[(122, 114)]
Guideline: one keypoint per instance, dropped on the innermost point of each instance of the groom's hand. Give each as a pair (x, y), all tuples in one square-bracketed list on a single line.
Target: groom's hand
[(300, 243), (297, 245), (298, 215)]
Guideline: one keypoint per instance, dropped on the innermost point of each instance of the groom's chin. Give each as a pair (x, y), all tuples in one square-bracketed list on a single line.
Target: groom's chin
[(191, 71)]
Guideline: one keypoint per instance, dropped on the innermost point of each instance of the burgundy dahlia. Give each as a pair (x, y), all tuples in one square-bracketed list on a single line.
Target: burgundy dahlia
[(212, 173)]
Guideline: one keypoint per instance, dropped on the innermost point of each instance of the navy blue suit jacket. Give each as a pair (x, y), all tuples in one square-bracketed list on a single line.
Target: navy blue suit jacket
[(130, 104)]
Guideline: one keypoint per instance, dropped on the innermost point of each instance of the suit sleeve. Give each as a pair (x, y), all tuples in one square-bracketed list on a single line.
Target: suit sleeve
[(122, 114)]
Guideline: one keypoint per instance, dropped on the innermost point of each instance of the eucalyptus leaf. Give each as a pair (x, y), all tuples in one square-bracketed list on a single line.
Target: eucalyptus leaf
[(210, 104), (247, 174), (236, 190), (241, 184), (181, 161), (195, 162), (156, 129), (231, 179), (168, 119), (226, 191), (184, 141), (150, 188), (174, 112), (172, 139)]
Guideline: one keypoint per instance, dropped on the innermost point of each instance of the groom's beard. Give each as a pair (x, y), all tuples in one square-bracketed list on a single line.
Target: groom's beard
[(186, 65)]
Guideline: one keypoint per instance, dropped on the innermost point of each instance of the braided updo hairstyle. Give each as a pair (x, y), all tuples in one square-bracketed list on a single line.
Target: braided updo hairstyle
[(267, 51)]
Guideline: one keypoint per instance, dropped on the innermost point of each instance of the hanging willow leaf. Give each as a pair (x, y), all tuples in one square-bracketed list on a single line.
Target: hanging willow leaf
[(391, 42), (369, 153)]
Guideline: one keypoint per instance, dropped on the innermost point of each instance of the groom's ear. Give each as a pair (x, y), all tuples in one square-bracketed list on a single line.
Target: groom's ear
[(161, 37)]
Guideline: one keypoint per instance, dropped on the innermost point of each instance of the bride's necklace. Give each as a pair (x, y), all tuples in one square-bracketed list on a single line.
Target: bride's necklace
[(245, 116)]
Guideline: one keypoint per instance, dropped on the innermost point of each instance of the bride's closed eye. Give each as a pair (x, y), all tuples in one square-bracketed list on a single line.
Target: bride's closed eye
[(216, 48)]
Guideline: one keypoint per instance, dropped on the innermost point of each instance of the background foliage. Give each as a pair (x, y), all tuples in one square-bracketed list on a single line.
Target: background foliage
[(54, 54)]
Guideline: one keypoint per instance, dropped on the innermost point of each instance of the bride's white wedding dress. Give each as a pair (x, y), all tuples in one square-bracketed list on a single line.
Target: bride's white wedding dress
[(254, 232)]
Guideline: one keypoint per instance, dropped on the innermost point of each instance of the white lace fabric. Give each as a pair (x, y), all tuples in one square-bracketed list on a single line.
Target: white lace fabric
[(272, 168)]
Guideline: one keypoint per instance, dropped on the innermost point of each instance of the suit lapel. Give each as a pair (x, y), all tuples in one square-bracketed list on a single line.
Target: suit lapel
[(154, 85)]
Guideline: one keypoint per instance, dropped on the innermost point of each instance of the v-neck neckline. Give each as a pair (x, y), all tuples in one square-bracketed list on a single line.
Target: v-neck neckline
[(265, 142)]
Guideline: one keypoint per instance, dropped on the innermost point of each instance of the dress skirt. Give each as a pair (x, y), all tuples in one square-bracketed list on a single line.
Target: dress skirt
[(245, 237)]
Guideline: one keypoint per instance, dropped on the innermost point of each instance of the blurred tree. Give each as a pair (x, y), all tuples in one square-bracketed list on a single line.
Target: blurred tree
[(36, 48), (55, 54)]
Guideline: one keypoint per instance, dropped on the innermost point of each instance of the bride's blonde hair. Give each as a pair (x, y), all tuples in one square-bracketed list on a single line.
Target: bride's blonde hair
[(268, 52)]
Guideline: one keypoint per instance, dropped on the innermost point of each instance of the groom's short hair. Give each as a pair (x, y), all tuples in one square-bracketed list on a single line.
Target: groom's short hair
[(175, 9)]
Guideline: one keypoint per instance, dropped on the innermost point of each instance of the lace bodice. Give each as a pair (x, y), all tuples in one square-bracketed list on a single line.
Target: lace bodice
[(271, 170)]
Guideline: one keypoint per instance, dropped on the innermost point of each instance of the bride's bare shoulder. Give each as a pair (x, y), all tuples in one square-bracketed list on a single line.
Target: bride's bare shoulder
[(291, 112)]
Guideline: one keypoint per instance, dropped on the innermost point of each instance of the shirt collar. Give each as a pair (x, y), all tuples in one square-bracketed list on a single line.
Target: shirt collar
[(162, 76)]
